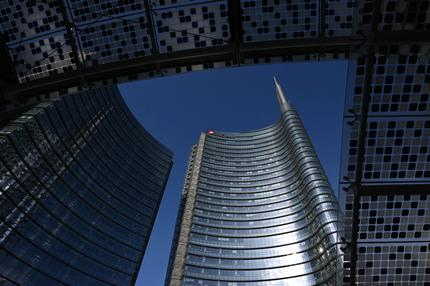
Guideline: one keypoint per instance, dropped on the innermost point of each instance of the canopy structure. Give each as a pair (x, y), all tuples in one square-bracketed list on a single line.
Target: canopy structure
[(49, 48)]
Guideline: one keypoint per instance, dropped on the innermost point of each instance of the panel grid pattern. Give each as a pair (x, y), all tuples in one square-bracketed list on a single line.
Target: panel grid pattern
[(396, 15), (395, 218), (115, 40), (396, 144), (193, 26), (397, 148), (21, 19), (44, 57), (405, 15), (115, 31), (86, 12), (274, 20), (386, 222), (338, 17), (394, 264)]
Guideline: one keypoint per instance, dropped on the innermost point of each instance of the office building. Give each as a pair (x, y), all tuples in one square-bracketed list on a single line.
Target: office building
[(257, 209), (81, 183)]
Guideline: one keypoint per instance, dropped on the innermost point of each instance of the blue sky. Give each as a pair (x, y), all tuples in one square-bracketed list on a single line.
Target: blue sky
[(175, 109)]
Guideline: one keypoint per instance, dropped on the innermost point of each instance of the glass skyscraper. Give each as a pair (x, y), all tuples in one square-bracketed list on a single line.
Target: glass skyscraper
[(257, 209), (81, 183)]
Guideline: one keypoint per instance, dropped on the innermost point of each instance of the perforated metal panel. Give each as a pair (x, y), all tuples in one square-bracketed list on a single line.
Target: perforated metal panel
[(192, 26), (47, 39), (275, 20)]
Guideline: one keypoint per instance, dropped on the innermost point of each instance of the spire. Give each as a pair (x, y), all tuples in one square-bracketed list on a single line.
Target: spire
[(283, 103)]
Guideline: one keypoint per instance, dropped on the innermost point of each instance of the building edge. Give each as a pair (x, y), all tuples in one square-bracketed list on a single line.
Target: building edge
[(139, 263), (182, 230)]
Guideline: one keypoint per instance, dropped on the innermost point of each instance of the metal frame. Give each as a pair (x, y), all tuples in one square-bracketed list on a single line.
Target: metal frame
[(152, 32), (365, 101), (235, 52), (70, 34), (375, 38), (404, 189), (222, 53), (322, 4), (235, 22)]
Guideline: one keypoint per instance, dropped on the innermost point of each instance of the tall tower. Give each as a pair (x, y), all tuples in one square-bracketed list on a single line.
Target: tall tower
[(81, 183), (257, 209)]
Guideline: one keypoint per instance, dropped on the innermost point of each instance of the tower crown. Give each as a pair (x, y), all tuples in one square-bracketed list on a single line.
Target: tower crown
[(283, 103)]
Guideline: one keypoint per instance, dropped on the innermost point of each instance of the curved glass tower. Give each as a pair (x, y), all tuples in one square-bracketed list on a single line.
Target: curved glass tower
[(257, 209), (81, 182)]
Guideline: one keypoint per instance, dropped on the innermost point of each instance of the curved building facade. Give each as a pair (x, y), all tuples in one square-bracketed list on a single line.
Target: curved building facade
[(257, 210), (81, 183)]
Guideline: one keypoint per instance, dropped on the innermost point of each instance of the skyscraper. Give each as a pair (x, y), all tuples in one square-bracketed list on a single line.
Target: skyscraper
[(257, 209), (81, 183)]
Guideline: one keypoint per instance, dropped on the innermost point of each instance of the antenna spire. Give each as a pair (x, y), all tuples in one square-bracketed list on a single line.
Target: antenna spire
[(283, 103)]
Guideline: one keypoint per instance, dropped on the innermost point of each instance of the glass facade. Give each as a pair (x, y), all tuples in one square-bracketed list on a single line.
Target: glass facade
[(257, 209), (81, 182)]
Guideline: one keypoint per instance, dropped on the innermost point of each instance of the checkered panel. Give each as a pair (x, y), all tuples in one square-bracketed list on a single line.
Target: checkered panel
[(400, 83), (394, 264), (400, 86), (115, 40), (83, 12), (394, 232), (104, 28), (274, 19), (338, 17), (394, 218), (21, 19), (193, 26), (397, 149), (36, 38), (405, 15), (42, 57), (396, 15), (386, 222)]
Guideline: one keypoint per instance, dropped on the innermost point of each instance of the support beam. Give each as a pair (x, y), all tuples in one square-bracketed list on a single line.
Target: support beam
[(155, 50), (235, 22), (395, 189), (185, 58), (235, 52), (7, 71), (8, 80), (322, 4), (70, 30), (365, 101)]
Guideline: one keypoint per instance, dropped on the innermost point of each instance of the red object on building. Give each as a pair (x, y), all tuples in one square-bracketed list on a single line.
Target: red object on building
[(210, 132)]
